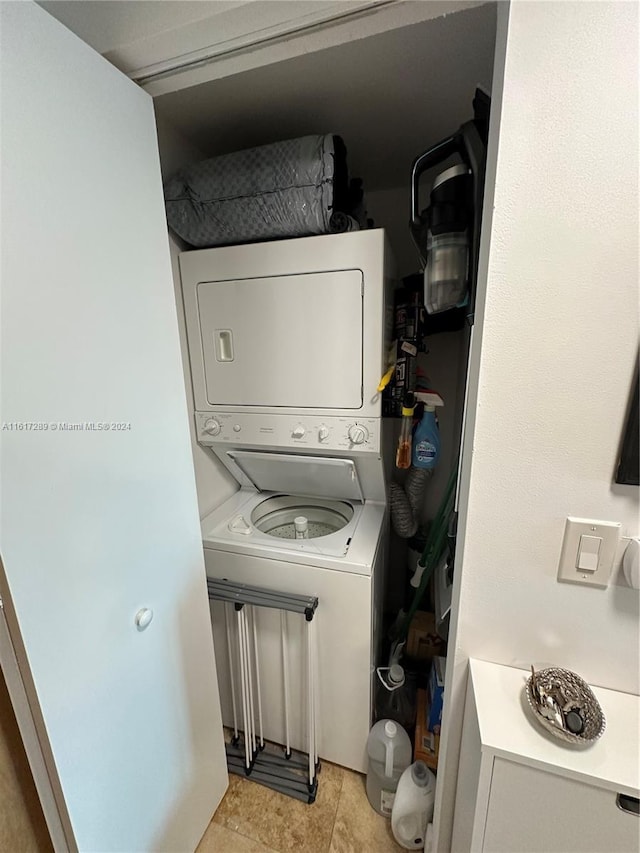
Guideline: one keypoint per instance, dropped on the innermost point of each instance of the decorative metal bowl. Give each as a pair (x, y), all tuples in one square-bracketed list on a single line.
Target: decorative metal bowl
[(564, 704)]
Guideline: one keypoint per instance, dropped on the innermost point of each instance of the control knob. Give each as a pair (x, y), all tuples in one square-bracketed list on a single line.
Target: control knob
[(298, 432), (212, 427), (323, 433), (358, 434)]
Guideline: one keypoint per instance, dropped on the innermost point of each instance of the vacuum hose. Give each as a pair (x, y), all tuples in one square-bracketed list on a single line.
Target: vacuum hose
[(407, 501)]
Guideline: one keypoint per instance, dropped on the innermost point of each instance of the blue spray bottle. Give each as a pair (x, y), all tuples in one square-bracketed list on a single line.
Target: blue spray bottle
[(426, 440)]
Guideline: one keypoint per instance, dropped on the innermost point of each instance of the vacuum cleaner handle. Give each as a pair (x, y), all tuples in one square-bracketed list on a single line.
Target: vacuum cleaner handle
[(430, 158)]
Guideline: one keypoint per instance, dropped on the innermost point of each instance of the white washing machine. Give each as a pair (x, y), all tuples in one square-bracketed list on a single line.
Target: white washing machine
[(287, 344)]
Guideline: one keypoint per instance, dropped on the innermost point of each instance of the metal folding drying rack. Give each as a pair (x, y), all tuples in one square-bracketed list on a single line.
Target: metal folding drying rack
[(293, 774)]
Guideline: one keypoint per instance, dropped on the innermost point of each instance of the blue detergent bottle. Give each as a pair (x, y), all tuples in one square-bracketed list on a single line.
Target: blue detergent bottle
[(426, 440)]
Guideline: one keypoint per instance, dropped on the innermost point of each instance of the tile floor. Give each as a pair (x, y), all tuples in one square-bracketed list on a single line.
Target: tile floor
[(254, 819)]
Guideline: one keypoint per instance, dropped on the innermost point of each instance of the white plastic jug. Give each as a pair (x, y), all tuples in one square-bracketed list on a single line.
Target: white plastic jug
[(395, 697), (413, 806), (389, 752)]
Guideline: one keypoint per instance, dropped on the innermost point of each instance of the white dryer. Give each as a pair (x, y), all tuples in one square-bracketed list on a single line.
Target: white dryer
[(287, 344), (291, 326)]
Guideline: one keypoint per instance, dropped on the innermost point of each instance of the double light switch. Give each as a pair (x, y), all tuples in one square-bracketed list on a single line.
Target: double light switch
[(588, 551)]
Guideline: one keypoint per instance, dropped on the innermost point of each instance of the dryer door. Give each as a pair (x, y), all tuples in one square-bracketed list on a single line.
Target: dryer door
[(291, 340)]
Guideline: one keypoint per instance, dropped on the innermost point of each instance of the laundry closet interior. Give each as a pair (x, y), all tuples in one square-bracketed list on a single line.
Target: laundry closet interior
[(389, 97)]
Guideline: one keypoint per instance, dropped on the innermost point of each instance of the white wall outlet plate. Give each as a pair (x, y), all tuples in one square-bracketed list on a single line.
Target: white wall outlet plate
[(588, 550)]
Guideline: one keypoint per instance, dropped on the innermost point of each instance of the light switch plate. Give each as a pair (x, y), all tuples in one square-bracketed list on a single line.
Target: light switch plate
[(608, 531)]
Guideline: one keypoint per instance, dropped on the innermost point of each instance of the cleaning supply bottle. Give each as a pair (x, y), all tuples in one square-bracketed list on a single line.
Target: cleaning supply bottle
[(395, 698), (413, 806), (426, 441), (403, 453), (389, 754)]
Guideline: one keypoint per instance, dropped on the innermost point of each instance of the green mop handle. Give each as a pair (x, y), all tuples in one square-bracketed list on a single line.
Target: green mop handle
[(433, 550)]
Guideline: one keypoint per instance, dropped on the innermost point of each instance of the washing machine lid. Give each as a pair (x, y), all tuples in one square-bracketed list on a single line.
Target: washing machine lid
[(308, 476)]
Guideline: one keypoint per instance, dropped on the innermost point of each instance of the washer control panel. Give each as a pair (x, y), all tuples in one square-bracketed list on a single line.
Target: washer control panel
[(288, 431)]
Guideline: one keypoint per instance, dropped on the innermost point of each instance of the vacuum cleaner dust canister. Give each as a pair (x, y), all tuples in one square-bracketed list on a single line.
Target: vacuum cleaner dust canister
[(450, 216)]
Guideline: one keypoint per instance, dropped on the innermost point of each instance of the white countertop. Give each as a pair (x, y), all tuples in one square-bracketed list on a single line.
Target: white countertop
[(507, 727)]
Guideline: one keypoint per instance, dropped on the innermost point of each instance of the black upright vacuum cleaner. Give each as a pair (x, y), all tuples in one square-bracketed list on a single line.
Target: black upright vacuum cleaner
[(447, 233)]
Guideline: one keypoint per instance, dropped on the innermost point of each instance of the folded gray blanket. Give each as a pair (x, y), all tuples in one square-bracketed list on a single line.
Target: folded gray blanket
[(285, 189)]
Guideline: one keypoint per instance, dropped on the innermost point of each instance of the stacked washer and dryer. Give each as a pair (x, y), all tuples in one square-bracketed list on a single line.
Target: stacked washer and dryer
[(287, 343)]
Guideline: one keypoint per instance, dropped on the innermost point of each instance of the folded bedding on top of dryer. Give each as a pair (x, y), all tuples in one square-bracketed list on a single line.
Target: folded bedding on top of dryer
[(286, 189)]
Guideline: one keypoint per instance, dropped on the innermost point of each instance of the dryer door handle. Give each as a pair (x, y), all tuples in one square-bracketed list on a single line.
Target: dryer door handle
[(224, 344)]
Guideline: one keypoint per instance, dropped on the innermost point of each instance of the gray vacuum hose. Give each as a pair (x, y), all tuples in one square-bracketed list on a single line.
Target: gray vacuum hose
[(406, 502)]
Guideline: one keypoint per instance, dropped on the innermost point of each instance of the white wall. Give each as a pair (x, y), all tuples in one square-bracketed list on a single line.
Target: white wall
[(213, 482), (560, 339)]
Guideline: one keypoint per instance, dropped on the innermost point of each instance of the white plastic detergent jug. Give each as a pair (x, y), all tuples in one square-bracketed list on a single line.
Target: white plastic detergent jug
[(389, 752), (413, 806)]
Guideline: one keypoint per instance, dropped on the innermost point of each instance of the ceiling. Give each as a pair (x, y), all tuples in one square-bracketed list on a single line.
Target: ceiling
[(109, 24), (390, 96), (145, 37)]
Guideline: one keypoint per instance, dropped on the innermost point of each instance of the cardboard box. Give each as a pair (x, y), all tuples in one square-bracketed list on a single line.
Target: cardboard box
[(423, 642), (426, 744)]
